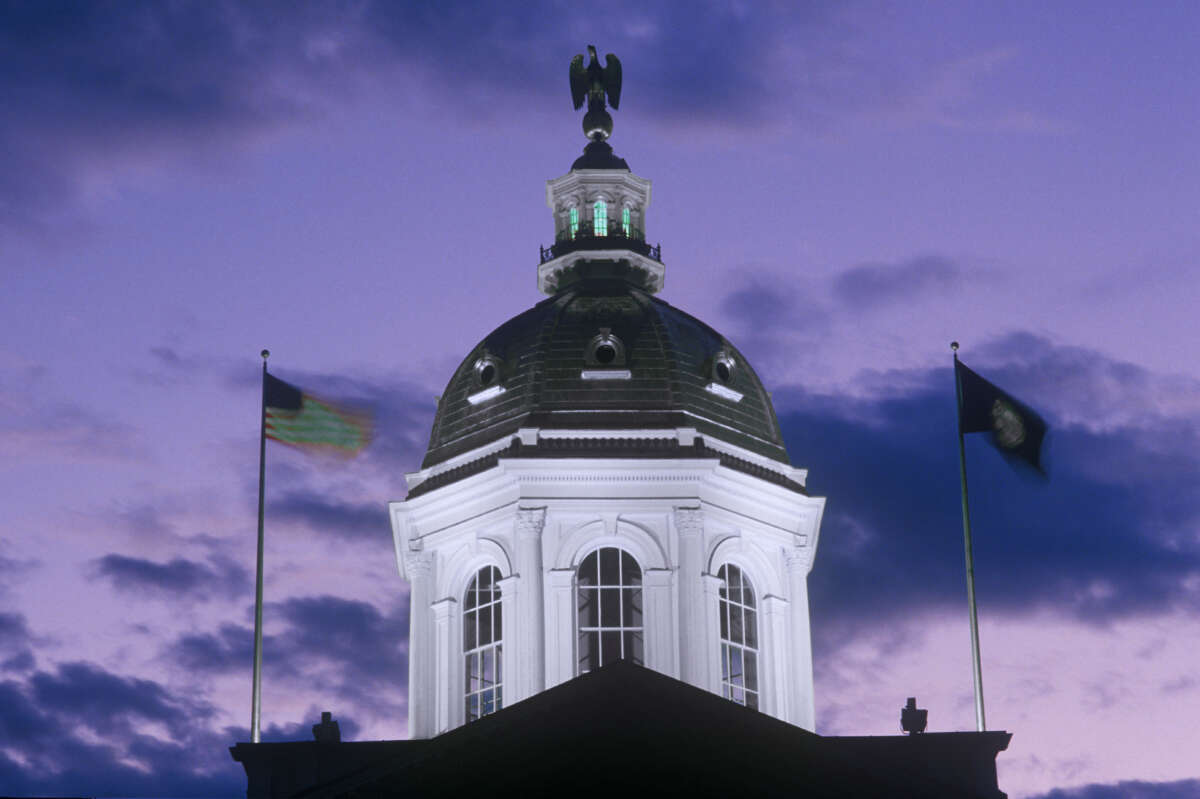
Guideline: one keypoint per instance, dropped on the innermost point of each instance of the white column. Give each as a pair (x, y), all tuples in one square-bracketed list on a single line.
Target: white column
[(774, 658), (443, 625), (803, 712), (711, 634), (660, 629), (693, 663), (511, 660), (528, 676), (560, 626), (419, 566)]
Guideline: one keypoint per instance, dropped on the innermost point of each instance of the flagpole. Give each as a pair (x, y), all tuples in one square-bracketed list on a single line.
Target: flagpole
[(977, 667), (256, 691)]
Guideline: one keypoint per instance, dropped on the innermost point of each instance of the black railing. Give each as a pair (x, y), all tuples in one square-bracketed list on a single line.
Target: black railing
[(585, 238)]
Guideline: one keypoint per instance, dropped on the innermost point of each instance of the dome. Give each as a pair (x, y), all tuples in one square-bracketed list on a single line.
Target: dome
[(603, 354)]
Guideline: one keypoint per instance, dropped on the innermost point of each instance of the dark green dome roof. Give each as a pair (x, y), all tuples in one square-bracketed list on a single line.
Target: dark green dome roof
[(603, 354)]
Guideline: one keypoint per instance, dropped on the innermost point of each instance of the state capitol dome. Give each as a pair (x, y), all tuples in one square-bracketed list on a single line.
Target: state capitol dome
[(603, 368)]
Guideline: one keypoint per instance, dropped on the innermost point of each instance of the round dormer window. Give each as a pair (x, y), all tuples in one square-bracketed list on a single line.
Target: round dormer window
[(723, 367), (487, 371), (605, 350)]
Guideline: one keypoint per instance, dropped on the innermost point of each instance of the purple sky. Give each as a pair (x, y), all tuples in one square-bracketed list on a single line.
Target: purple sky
[(840, 189)]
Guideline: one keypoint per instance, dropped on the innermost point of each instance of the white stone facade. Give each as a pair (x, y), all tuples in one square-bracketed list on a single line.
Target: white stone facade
[(536, 519)]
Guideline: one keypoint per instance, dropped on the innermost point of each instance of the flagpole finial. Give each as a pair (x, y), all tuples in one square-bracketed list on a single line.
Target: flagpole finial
[(953, 346), (266, 354)]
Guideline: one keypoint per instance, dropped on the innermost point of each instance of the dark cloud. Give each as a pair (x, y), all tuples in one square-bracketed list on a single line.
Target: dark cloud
[(220, 577), (761, 306), (94, 88), (367, 521), (16, 643), (349, 651), (1110, 534), (1132, 789), (366, 648), (227, 650), (73, 731), (878, 284)]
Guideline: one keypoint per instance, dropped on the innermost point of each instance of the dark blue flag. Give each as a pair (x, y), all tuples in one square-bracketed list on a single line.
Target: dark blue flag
[(1017, 430)]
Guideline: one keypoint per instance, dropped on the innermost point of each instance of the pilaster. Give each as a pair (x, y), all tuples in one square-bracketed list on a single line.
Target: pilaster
[(528, 674), (421, 672), (803, 709), (774, 656), (445, 652), (689, 527), (560, 626), (661, 641), (711, 634)]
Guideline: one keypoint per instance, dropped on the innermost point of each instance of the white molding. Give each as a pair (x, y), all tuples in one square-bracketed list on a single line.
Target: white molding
[(606, 374), (548, 272), (724, 391), (485, 395)]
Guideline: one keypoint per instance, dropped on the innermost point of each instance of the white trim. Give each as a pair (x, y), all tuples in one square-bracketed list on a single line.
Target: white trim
[(724, 391), (606, 374), (485, 395)]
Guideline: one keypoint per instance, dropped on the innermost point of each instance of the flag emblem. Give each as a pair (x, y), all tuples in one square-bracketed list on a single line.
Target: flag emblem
[(302, 420), (1017, 430)]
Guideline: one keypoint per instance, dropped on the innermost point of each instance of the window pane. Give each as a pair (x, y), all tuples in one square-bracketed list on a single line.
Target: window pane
[(499, 661), (472, 672), (631, 607), (751, 629), (751, 671), (609, 570), (589, 651), (735, 665), (724, 613), (587, 570), (747, 593), (472, 707), (633, 646), (736, 634), (752, 700), (610, 647), (497, 615), (631, 574), (724, 664), (499, 698), (485, 624), (489, 668), (469, 599), (469, 637), (485, 583), (489, 702), (610, 607), (589, 608), (734, 582)]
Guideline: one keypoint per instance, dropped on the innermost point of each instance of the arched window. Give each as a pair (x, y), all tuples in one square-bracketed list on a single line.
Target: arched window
[(482, 647), (625, 225), (600, 218), (573, 224), (608, 600), (739, 637)]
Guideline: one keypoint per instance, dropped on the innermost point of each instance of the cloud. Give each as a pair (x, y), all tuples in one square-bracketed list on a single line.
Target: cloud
[(1132, 789), (115, 87), (324, 645), (177, 578), (877, 284), (366, 521), (1111, 534), (82, 730), (16, 643)]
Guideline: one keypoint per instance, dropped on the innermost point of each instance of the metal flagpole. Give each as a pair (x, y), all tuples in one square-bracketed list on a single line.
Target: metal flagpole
[(256, 692), (980, 724)]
